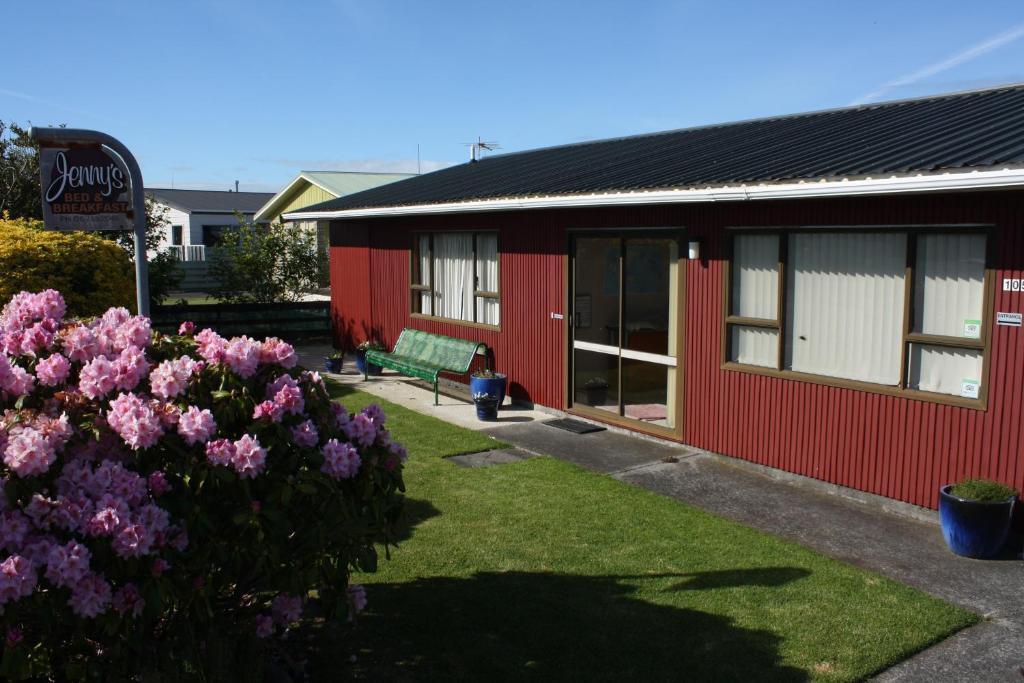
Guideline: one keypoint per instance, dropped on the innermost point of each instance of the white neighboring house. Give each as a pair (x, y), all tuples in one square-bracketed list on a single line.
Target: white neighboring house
[(196, 218)]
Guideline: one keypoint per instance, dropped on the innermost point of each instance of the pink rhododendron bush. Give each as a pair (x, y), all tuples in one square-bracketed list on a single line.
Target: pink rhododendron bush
[(170, 502)]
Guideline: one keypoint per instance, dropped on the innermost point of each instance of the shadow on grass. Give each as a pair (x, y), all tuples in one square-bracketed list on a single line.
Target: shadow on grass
[(515, 626), (414, 511), (731, 578)]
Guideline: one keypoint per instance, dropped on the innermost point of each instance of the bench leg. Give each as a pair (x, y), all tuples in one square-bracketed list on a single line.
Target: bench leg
[(435, 392)]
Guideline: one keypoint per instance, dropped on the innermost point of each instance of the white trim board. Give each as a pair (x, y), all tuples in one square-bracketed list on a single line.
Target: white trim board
[(934, 182)]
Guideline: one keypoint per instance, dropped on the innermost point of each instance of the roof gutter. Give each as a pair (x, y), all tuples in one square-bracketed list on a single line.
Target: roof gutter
[(942, 182)]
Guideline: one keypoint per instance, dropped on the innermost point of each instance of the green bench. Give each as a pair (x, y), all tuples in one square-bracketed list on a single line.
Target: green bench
[(425, 355)]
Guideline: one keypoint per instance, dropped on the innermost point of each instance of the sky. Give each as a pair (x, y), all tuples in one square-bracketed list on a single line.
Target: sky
[(206, 92)]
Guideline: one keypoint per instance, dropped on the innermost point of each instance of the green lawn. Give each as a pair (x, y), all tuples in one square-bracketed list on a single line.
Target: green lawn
[(542, 570)]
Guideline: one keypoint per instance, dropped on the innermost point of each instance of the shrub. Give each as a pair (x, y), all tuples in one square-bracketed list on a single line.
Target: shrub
[(983, 490), (259, 263), (95, 273), (169, 503)]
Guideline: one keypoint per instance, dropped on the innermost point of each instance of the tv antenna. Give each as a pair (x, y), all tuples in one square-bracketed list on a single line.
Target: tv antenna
[(475, 148)]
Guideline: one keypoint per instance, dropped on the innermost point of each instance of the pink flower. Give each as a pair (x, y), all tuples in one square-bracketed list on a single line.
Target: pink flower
[(211, 346), (13, 528), (196, 425), (19, 381), (97, 378), (67, 564), (13, 638), (341, 416), (341, 460), (187, 328), (128, 600), (361, 430), (29, 453), (160, 566), (129, 368), (53, 370), (305, 434), (242, 355), (157, 483), (134, 421), (286, 609), (220, 452), (264, 626), (90, 597), (171, 377), (249, 457), (268, 410), (18, 578), (289, 399), (80, 344), (273, 351)]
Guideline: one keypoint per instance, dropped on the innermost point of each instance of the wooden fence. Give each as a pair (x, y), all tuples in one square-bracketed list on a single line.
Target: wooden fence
[(303, 320)]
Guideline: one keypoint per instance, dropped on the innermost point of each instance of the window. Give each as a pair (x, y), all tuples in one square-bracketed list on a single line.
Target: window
[(212, 234), (176, 235), (455, 276), (903, 309)]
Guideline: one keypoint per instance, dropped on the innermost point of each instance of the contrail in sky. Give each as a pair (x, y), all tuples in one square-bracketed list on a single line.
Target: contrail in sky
[(971, 53)]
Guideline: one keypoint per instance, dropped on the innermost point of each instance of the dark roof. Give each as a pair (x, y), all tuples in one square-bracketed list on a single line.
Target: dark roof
[(210, 201), (956, 131)]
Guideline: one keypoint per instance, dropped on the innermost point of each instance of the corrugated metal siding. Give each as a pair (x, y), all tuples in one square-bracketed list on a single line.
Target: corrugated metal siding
[(892, 446)]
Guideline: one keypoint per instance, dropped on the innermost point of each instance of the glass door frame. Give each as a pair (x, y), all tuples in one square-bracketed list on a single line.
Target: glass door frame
[(623, 233)]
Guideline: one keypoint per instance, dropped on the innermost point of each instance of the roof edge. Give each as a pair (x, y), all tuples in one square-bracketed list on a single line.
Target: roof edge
[(843, 187)]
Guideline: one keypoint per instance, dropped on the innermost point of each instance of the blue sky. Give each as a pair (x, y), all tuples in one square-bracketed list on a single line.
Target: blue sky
[(208, 91)]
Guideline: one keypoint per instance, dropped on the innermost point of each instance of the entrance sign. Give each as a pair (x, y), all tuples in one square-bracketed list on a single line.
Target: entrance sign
[(90, 181), (85, 188)]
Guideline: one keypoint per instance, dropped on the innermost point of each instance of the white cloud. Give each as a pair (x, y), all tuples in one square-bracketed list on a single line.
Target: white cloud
[(971, 53)]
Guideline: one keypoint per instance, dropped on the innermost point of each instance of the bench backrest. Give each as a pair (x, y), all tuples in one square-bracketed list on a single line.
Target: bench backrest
[(436, 349)]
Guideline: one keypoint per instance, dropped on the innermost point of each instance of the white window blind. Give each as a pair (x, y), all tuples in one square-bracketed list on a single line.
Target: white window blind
[(755, 276), (945, 370), (845, 305), (487, 277), (755, 346), (949, 287)]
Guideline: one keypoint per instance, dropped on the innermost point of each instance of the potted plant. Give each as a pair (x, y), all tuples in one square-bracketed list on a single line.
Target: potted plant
[(361, 364), (334, 361), (486, 406), (976, 516), (595, 390), (488, 382)]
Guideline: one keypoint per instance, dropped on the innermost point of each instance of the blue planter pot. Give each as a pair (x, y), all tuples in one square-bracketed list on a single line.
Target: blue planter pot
[(363, 366), (492, 386), (487, 411), (972, 528), (333, 364)]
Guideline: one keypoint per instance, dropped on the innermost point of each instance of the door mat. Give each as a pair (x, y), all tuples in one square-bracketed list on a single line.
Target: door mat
[(574, 426)]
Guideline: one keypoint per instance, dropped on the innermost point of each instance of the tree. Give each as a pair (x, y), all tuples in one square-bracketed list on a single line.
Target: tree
[(19, 173), (259, 263)]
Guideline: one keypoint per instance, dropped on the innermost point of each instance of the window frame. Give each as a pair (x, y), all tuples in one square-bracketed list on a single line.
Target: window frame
[(908, 337), (416, 290)]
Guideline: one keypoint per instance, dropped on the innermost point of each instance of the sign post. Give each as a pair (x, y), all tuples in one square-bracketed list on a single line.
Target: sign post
[(90, 181)]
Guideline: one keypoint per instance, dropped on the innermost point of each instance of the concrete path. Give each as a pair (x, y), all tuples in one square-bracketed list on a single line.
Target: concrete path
[(864, 532)]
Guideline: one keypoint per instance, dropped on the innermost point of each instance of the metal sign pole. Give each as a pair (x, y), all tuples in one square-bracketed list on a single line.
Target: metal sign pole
[(68, 137)]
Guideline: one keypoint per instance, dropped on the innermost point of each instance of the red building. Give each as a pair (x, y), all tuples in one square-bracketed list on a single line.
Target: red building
[(835, 294)]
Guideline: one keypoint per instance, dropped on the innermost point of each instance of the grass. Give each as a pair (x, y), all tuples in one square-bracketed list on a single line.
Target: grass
[(542, 570)]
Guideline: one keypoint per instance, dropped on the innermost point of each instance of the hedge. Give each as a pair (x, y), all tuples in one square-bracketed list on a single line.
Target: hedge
[(93, 273)]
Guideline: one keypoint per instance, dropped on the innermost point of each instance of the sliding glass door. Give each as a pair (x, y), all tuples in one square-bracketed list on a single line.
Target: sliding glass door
[(625, 291)]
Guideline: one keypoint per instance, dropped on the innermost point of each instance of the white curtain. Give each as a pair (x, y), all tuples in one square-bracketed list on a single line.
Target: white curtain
[(755, 276), (949, 288), (453, 260), (423, 244), (845, 305), (487, 277)]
